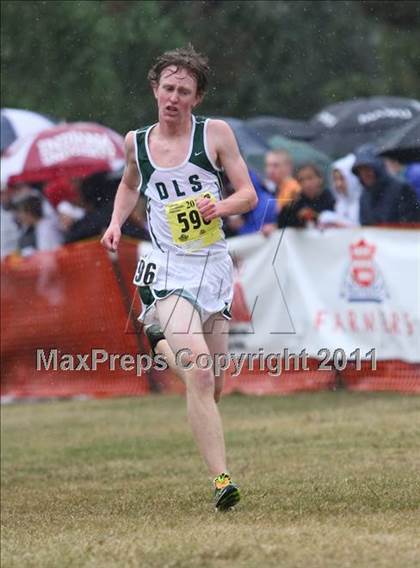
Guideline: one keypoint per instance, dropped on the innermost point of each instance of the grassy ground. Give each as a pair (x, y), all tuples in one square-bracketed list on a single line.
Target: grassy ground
[(328, 479)]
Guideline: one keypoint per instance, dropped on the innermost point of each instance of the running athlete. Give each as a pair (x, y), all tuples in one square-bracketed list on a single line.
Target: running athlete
[(186, 282)]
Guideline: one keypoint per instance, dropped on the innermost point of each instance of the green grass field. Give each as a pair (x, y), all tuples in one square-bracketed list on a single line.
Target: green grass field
[(329, 479)]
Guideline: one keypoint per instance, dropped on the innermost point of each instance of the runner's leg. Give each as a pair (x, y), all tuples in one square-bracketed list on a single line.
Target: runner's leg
[(162, 348), (216, 334), (182, 327)]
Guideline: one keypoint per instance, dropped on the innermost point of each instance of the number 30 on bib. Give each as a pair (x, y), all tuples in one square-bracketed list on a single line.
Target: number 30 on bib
[(146, 272)]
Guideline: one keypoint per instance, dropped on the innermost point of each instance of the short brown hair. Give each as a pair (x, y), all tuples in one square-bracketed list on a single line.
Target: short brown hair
[(182, 58), (281, 152)]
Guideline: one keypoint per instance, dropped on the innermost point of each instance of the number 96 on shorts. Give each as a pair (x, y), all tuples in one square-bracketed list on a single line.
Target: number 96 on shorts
[(146, 272)]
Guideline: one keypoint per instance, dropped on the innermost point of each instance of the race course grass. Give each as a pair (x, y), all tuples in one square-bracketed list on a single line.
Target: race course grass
[(329, 479)]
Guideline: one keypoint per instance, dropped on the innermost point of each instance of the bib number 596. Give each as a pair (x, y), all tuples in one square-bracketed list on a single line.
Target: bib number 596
[(145, 273)]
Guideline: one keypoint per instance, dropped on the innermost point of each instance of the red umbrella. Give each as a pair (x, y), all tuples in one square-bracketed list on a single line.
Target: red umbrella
[(76, 149)]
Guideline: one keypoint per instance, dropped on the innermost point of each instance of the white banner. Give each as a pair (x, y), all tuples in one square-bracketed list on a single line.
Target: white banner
[(337, 289), (307, 290)]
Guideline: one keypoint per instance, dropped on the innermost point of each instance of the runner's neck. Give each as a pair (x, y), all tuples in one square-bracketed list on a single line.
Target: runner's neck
[(166, 129)]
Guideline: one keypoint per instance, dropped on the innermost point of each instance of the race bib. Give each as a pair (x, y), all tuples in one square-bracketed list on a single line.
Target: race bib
[(146, 272), (188, 228)]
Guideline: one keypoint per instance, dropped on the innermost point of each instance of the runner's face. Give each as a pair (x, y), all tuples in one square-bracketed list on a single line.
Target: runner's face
[(176, 94)]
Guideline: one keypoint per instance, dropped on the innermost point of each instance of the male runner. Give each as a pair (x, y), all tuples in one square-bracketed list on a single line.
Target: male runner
[(187, 279)]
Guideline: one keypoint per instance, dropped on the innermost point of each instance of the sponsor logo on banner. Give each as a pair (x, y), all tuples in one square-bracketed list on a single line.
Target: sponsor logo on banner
[(363, 281)]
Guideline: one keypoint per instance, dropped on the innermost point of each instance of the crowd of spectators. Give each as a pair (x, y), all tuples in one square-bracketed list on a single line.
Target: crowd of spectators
[(44, 217), (360, 189)]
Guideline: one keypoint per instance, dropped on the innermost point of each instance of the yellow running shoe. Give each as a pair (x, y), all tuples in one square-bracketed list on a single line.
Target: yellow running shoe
[(226, 493)]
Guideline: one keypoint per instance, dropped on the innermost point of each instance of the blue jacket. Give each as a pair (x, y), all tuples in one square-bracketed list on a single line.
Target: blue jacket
[(389, 200), (412, 175), (265, 211)]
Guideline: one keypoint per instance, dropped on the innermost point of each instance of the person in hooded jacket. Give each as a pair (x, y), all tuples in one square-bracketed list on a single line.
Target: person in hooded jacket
[(384, 199), (412, 175), (346, 190), (409, 172)]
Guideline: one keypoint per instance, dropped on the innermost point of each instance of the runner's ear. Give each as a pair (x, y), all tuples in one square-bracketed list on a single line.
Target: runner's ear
[(198, 99)]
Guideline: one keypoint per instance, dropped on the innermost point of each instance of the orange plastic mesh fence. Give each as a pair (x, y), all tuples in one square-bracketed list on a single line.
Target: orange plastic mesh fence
[(78, 299), (69, 300)]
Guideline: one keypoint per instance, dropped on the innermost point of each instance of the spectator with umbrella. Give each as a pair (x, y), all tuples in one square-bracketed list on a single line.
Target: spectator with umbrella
[(401, 150), (19, 191), (97, 194), (313, 199), (264, 215), (96, 199), (384, 199), (405, 172), (38, 232), (412, 175), (346, 190), (9, 231), (279, 171)]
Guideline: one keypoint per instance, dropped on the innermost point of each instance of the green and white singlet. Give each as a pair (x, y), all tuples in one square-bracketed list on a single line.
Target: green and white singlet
[(190, 254)]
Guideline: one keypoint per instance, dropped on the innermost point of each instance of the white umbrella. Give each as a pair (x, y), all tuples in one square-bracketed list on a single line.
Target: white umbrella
[(13, 160), (17, 123)]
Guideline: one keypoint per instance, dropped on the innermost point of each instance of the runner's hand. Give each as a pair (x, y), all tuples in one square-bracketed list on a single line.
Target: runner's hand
[(111, 238), (207, 208)]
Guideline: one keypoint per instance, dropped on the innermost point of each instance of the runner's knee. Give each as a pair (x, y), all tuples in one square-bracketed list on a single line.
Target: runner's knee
[(202, 381)]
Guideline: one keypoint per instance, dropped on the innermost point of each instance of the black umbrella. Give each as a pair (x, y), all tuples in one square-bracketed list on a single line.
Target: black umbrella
[(268, 126), (252, 147), (344, 126), (301, 152), (403, 143), (249, 142)]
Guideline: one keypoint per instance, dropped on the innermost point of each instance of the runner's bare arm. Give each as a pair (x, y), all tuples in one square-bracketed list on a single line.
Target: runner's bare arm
[(244, 199), (126, 197)]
